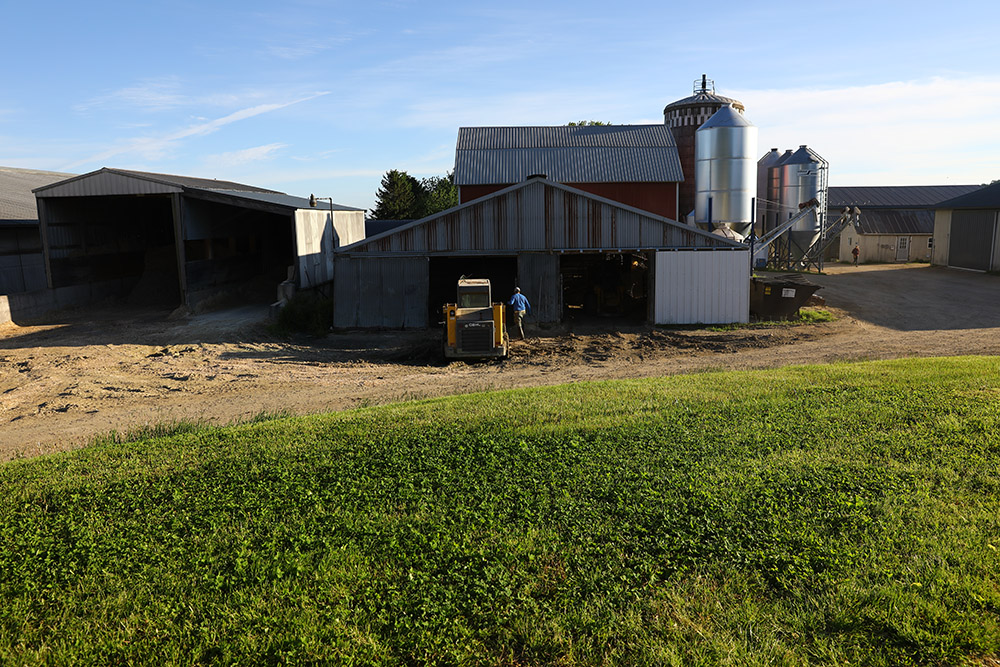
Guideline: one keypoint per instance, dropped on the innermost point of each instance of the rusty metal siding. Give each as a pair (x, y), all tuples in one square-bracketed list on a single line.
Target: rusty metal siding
[(538, 277), (538, 216)]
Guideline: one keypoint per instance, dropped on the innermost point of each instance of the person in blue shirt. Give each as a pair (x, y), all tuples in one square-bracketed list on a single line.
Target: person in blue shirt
[(520, 304)]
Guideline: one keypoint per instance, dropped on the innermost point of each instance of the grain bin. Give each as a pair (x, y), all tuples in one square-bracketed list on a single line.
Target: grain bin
[(725, 172), (803, 180)]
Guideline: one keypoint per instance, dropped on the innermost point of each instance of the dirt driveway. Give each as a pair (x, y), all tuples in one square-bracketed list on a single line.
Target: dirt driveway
[(97, 371)]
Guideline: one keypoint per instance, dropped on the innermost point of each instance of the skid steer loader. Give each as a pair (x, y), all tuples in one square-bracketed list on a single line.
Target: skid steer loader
[(474, 325)]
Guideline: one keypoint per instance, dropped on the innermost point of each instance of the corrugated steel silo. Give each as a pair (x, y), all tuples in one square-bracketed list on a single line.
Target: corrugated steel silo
[(775, 212), (803, 178), (764, 197), (725, 172)]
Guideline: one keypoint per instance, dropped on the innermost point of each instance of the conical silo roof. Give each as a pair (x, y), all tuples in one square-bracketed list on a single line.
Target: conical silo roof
[(805, 155), (769, 159), (727, 116)]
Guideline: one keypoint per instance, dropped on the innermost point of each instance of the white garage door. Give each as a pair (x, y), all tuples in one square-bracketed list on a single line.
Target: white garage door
[(702, 287)]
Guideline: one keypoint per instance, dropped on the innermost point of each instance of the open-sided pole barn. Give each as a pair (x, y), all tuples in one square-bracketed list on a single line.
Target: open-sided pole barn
[(173, 240), (561, 245)]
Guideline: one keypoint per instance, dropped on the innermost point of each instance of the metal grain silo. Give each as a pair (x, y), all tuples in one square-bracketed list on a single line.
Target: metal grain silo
[(684, 117), (803, 178), (775, 213), (764, 197), (725, 172)]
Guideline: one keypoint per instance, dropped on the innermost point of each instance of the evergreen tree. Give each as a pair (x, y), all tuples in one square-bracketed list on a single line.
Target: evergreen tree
[(402, 197), (399, 197)]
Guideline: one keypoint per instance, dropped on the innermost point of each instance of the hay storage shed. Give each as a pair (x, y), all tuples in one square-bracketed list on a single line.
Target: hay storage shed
[(569, 251), (169, 240)]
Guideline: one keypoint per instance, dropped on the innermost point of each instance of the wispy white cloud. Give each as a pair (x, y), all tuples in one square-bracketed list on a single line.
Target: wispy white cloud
[(155, 147), (243, 157), (150, 94), (925, 131), (550, 107), (297, 50)]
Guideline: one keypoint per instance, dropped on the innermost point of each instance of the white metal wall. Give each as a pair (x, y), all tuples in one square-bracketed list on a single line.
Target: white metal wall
[(702, 287), (317, 234)]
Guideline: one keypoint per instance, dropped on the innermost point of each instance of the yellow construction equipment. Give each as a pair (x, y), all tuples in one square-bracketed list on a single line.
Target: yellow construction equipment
[(474, 325)]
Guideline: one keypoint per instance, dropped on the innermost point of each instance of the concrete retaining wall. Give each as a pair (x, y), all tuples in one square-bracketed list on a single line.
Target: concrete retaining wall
[(27, 306)]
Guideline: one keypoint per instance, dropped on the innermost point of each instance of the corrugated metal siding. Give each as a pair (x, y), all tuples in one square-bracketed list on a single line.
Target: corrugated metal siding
[(17, 201), (895, 196), (380, 292), (538, 217), (103, 183), (985, 197), (564, 136), (22, 273), (692, 287), (569, 165), (973, 234), (895, 221), (538, 277), (598, 154)]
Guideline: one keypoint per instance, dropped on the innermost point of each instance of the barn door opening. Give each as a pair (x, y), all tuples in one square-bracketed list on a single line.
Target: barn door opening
[(603, 286), (445, 272)]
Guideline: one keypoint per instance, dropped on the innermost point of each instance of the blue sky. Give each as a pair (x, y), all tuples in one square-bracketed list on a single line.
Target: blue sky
[(313, 96)]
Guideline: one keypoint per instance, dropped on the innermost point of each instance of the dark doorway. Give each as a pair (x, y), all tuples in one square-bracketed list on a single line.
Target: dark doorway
[(234, 255), (604, 285), (445, 272), (123, 240)]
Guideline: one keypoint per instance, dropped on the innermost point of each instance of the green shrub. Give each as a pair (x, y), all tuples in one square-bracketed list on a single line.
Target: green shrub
[(306, 312)]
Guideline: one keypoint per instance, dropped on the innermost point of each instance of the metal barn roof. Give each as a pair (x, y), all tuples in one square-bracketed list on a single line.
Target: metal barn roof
[(123, 181), (108, 181), (538, 215), (895, 196), (287, 201), (567, 154), (985, 197), (17, 201), (899, 222)]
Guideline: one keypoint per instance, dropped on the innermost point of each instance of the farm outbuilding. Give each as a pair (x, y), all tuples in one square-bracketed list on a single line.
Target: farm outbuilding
[(22, 263), (967, 230), (637, 165), (573, 253), (896, 222), (176, 240)]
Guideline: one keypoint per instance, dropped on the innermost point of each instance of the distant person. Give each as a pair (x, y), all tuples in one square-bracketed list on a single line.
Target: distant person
[(520, 304), (857, 253)]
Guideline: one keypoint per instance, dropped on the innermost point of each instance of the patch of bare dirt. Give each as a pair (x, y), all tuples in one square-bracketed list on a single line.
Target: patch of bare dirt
[(92, 372)]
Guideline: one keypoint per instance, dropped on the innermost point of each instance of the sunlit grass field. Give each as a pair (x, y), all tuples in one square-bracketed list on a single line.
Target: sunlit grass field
[(844, 514)]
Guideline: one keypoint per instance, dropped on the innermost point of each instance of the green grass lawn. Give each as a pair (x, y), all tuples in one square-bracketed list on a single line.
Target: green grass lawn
[(845, 514)]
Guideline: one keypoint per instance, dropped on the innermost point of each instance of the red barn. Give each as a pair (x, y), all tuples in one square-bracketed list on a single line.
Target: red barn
[(637, 165)]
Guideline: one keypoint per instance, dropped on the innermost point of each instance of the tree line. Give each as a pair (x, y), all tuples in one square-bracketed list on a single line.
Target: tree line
[(403, 197)]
